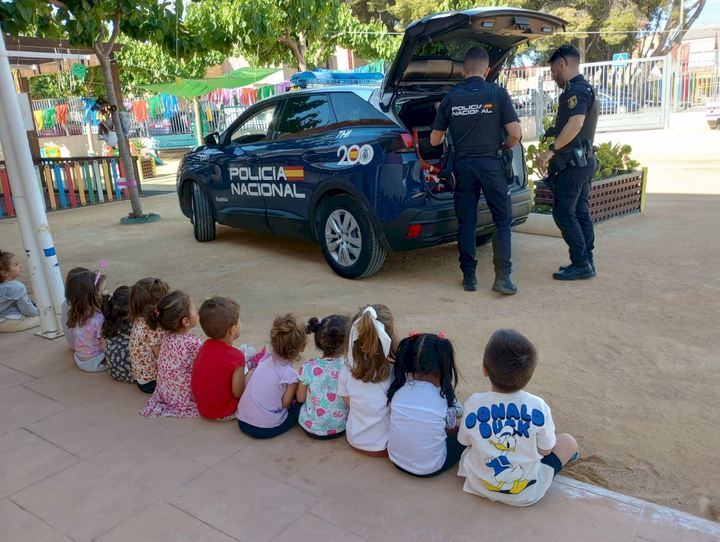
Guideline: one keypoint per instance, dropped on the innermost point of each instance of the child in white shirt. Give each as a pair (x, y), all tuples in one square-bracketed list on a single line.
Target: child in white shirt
[(513, 453), (423, 408), (365, 378)]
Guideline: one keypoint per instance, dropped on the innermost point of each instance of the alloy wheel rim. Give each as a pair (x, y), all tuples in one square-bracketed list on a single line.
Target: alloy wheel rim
[(342, 237)]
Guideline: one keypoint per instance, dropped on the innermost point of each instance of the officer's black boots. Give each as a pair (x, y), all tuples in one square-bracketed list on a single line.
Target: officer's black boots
[(575, 272), (469, 281), (590, 261), (503, 284)]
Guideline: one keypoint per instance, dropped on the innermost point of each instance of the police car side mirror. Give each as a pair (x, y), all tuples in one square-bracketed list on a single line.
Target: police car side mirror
[(212, 139)]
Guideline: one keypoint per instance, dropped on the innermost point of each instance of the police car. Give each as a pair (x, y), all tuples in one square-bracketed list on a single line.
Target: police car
[(351, 167)]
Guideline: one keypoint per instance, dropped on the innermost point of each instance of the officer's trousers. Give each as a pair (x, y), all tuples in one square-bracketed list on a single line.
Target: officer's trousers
[(475, 176), (571, 211)]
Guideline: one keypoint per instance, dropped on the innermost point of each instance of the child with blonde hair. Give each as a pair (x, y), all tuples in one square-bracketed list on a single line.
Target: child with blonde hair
[(17, 312), (267, 407), (366, 377)]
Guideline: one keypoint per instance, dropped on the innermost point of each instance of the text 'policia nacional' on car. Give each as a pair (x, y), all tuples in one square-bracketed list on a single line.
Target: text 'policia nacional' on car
[(349, 166)]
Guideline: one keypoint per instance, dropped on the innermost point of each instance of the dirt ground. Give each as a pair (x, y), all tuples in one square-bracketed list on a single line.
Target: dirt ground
[(628, 361)]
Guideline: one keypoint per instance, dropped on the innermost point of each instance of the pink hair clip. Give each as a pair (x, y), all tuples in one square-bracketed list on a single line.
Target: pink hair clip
[(102, 264), (442, 335), (414, 333)]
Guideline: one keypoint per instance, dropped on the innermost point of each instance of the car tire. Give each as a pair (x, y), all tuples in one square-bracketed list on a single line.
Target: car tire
[(350, 244), (201, 214), (483, 238)]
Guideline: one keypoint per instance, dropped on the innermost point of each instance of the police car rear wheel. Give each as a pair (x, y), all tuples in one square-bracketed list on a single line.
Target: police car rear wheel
[(349, 242), (202, 215)]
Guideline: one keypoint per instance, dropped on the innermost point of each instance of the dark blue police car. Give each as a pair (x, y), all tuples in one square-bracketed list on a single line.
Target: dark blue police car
[(350, 167)]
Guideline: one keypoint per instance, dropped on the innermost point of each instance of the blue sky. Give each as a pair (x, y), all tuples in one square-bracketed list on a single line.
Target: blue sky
[(710, 14)]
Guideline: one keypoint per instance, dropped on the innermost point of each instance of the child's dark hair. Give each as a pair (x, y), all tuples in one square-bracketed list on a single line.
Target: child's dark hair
[(509, 360), (170, 312), (288, 337), (5, 263), (144, 295), (217, 315), (74, 272), (330, 333), (117, 306), (371, 364), (426, 354), (84, 297)]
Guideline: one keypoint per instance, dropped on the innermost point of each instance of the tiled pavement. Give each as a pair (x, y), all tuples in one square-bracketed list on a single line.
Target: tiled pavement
[(78, 463)]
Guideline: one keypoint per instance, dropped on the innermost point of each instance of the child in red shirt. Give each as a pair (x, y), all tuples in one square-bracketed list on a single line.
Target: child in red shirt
[(218, 377)]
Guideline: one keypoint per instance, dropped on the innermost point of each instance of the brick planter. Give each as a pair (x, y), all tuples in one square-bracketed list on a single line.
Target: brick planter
[(610, 197)]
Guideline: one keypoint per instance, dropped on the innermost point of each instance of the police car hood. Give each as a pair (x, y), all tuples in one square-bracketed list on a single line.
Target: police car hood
[(433, 48)]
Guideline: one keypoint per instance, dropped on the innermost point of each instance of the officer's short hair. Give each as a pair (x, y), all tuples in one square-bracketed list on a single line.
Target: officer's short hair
[(509, 360), (476, 60), (565, 52)]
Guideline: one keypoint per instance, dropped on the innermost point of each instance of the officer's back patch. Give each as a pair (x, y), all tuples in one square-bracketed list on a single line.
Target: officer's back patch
[(572, 102)]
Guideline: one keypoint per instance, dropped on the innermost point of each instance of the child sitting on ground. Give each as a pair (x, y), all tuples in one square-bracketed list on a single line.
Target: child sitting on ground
[(85, 320), (424, 410), (323, 411), (145, 342), (267, 408), (218, 376), (365, 379), (116, 331), (513, 453), (176, 314), (74, 272), (17, 312)]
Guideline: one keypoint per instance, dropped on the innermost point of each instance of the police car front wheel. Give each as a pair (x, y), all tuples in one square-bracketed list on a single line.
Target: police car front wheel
[(202, 215), (349, 242)]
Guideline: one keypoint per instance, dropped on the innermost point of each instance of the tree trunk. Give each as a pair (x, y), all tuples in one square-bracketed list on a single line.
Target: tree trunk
[(123, 146)]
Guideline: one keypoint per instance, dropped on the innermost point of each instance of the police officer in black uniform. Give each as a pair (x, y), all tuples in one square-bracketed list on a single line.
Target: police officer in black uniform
[(482, 122), (572, 162)]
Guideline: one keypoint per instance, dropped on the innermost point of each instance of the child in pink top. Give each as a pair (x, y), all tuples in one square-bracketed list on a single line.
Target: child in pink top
[(177, 315), (85, 321), (267, 408)]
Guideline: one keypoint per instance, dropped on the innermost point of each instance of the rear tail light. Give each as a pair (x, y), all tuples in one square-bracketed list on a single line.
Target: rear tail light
[(414, 230), (407, 140)]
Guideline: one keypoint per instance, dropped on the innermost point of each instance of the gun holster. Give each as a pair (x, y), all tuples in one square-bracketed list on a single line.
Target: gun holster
[(506, 156)]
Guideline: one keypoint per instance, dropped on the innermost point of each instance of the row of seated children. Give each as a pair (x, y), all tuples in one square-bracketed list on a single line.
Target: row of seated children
[(388, 397)]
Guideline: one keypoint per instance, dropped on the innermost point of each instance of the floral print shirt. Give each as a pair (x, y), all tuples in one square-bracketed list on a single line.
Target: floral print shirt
[(142, 359), (173, 395), (324, 412), (118, 355)]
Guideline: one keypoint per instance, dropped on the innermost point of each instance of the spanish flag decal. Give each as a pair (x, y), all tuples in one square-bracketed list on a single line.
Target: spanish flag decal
[(294, 173)]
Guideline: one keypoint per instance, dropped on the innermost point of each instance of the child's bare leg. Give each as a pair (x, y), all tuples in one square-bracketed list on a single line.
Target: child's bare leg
[(565, 447)]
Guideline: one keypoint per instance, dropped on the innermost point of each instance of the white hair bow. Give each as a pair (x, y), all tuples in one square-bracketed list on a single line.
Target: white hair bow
[(385, 339)]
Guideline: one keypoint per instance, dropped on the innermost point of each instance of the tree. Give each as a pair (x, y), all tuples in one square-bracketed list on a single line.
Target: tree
[(303, 32), (99, 24), (147, 63)]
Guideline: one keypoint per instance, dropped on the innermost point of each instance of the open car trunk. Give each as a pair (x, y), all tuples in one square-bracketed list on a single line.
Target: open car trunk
[(429, 63)]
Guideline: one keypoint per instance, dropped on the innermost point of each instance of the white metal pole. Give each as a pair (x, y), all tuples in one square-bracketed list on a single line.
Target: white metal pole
[(49, 323), (198, 121), (21, 171)]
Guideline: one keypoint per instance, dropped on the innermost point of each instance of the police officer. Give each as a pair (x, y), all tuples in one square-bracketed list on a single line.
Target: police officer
[(478, 115), (572, 162)]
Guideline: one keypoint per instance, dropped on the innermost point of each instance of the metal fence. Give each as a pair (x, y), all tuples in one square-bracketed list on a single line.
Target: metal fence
[(59, 117)]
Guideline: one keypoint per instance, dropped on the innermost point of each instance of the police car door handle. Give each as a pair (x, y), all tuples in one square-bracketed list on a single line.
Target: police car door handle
[(310, 155)]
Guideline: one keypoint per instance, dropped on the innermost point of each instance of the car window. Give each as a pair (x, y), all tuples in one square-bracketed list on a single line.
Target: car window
[(303, 116), (256, 128), (352, 110)]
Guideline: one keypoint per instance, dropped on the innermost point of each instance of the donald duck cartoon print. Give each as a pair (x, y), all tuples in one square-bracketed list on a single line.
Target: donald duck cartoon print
[(510, 478)]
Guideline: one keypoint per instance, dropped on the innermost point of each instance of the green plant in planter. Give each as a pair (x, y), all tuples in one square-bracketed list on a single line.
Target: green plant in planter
[(613, 160)]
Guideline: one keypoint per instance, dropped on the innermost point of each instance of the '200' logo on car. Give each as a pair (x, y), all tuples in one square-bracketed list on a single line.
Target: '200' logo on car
[(355, 154)]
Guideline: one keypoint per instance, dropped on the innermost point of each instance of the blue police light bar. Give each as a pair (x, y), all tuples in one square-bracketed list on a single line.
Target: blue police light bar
[(333, 77)]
